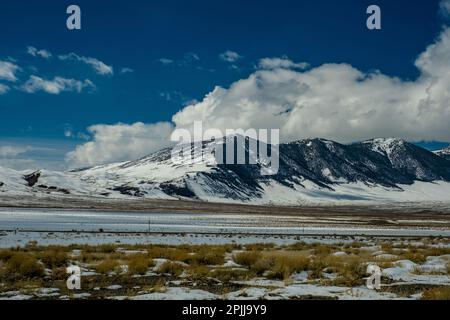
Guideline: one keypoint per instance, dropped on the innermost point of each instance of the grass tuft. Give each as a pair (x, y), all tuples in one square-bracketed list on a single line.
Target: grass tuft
[(172, 268), (442, 293), (53, 258), (24, 265), (138, 264), (247, 258), (107, 266)]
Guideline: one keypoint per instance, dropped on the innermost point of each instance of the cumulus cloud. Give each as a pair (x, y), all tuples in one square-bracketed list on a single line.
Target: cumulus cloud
[(120, 142), (284, 62), (56, 86), (335, 101), (98, 66), (41, 53), (3, 88), (8, 71), (229, 56)]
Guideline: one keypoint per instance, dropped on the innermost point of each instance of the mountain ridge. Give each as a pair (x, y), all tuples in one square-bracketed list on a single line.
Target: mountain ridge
[(309, 170)]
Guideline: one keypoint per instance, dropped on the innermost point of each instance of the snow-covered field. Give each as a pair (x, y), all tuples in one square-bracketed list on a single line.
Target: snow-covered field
[(54, 226)]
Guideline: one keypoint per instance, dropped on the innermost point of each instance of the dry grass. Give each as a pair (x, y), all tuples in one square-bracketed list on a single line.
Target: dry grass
[(247, 258), (174, 254), (350, 270), (6, 254), (89, 257), (59, 273), (96, 257), (436, 251), (227, 274), (107, 266), (316, 268), (282, 264), (172, 268), (322, 250), (442, 293), (419, 254), (202, 264), (285, 263), (277, 264), (208, 256), (416, 257), (102, 248), (53, 258), (138, 264), (24, 264), (203, 255), (258, 246), (197, 272)]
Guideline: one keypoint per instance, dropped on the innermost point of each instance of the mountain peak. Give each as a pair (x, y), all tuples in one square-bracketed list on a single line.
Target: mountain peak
[(385, 145), (309, 141), (386, 141)]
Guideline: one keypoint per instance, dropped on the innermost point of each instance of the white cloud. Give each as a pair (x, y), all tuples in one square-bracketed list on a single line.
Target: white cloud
[(444, 7), (33, 163), (280, 63), (120, 142), (176, 97), (13, 151), (335, 101), (8, 71), (99, 66), (69, 132), (56, 86), (3, 88), (42, 53), (126, 70), (165, 61), (230, 56), (190, 57), (187, 59), (33, 154)]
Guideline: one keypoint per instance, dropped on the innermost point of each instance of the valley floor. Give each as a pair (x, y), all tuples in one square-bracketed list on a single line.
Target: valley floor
[(187, 250)]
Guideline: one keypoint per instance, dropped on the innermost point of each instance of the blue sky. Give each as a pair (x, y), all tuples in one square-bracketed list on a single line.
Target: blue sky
[(167, 54)]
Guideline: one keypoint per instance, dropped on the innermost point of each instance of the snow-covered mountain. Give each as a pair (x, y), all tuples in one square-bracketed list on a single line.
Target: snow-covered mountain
[(445, 153), (310, 171)]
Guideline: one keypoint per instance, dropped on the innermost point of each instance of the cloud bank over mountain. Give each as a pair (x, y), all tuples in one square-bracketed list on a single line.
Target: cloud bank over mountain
[(120, 142), (332, 101), (335, 101)]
